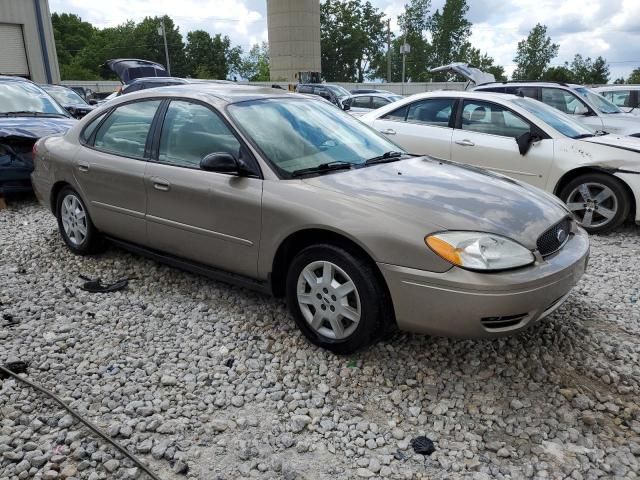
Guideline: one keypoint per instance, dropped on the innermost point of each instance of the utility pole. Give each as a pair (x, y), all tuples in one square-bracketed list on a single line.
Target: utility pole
[(389, 50), (404, 49), (162, 31)]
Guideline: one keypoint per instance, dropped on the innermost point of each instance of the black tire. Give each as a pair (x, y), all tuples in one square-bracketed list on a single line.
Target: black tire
[(618, 199), (84, 245), (374, 305)]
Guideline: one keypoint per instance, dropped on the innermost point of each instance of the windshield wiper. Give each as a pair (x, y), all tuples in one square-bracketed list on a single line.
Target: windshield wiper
[(386, 157), (35, 114), (323, 168), (584, 135)]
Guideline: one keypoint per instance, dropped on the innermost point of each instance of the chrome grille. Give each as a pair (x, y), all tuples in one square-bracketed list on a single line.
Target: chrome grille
[(554, 238)]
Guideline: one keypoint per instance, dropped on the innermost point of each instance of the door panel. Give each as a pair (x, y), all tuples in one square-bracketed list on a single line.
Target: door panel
[(111, 173), (423, 127), (487, 139), (207, 217)]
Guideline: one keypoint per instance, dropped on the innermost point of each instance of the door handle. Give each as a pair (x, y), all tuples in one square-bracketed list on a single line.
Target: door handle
[(83, 167), (465, 143), (161, 184), (388, 131)]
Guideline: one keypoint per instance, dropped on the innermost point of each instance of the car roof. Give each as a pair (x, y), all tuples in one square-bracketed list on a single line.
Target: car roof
[(157, 80), (609, 88), (376, 94), (213, 91), (536, 83), (10, 78)]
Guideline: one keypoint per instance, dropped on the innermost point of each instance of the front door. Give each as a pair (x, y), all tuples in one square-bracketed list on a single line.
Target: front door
[(208, 217), (486, 137)]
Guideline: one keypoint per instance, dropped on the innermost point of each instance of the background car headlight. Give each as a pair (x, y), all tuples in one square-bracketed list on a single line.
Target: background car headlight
[(479, 251)]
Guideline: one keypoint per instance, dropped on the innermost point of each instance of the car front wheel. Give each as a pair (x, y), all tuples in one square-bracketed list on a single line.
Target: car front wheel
[(335, 298), (599, 201), (75, 224)]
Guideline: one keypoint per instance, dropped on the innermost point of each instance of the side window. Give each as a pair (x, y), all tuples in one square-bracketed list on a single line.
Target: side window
[(362, 102), (564, 101), (398, 114), (125, 131), (523, 91), (89, 129), (483, 117), (190, 132), (620, 98), (378, 102), (436, 111)]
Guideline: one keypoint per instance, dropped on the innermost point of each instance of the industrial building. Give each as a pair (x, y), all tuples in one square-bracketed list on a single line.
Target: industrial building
[(27, 46), (294, 38)]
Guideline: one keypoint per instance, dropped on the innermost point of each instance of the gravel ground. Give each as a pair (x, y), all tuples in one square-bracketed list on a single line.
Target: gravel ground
[(204, 380)]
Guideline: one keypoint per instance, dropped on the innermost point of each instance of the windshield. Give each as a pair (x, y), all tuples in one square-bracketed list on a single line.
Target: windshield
[(65, 96), (555, 118), (295, 134), (338, 91), (598, 101), (27, 97)]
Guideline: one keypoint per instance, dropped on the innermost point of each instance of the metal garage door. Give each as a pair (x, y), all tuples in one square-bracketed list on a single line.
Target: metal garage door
[(13, 58)]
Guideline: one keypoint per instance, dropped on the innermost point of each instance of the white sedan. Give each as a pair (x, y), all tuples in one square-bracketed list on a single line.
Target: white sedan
[(596, 175)]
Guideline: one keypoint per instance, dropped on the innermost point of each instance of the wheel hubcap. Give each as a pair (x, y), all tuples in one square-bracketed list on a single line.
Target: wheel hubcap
[(329, 300), (593, 204), (74, 219)]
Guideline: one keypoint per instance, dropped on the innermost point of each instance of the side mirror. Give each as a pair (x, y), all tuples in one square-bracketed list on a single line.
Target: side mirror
[(220, 162), (525, 141), (93, 102), (325, 95), (346, 106)]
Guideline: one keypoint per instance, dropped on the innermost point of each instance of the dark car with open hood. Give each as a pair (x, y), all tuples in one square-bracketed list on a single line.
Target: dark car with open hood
[(27, 113)]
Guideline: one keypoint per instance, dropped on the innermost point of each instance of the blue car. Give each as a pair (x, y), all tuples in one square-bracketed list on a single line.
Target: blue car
[(27, 113)]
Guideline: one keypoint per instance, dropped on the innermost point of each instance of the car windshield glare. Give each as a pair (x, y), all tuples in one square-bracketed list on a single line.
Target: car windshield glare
[(295, 134), (598, 101), (338, 91), (27, 97), (562, 122), (65, 96)]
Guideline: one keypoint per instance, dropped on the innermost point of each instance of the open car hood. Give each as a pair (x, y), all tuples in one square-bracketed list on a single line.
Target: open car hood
[(469, 72), (128, 69)]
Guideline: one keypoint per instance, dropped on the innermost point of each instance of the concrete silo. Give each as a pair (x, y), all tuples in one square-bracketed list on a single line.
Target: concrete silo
[(294, 38)]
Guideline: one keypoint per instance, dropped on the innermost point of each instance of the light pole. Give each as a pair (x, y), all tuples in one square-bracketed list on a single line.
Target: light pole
[(404, 49), (162, 31)]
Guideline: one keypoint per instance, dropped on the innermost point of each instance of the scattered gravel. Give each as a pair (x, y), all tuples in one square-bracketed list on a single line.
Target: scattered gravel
[(203, 380)]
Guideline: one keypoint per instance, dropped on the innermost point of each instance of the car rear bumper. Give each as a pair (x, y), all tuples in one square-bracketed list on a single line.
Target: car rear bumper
[(461, 303)]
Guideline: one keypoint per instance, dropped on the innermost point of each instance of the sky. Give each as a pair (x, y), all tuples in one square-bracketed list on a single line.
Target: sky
[(610, 28)]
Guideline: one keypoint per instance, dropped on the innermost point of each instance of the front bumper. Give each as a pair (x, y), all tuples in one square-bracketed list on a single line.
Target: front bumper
[(461, 303)]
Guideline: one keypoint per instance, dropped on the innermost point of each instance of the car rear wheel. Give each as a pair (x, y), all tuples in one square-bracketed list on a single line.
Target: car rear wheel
[(599, 201), (75, 224), (335, 298)]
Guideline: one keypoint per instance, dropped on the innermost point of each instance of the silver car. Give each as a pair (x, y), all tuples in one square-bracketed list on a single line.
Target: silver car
[(293, 197)]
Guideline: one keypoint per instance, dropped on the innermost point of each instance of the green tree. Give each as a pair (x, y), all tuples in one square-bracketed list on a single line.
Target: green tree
[(587, 71), (255, 65), (559, 74), (352, 36), (210, 57), (534, 54), (634, 78), (72, 35), (450, 32), (619, 81), (474, 57)]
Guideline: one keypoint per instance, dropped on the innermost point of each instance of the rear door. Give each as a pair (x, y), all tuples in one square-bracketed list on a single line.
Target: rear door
[(110, 169), (211, 218), (423, 127), (486, 137)]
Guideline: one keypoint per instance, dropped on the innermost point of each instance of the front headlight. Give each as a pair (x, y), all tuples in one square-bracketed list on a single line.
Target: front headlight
[(479, 251)]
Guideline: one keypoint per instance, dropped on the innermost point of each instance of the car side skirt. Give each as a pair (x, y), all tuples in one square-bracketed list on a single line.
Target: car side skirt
[(193, 267)]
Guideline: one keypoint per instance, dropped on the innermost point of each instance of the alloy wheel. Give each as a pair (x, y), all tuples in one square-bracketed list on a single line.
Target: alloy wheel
[(329, 300), (593, 204), (74, 219)]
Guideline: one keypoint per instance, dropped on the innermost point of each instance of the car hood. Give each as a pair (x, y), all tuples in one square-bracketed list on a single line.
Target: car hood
[(33, 127), (128, 69), (469, 72), (622, 123), (446, 196)]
